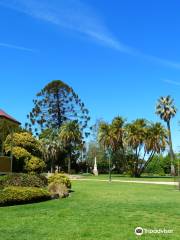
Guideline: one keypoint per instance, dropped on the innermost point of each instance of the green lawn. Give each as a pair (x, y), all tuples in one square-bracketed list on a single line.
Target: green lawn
[(123, 177), (96, 210)]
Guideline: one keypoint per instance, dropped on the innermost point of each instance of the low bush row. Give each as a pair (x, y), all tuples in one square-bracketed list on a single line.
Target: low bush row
[(14, 195), (26, 188)]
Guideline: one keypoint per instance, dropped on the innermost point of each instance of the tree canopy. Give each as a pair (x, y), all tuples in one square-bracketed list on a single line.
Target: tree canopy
[(54, 104)]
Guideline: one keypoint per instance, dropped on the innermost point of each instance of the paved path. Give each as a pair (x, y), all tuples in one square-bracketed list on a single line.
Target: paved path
[(128, 181)]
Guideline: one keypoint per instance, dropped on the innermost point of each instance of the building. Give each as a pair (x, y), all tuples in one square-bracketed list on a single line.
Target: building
[(7, 126)]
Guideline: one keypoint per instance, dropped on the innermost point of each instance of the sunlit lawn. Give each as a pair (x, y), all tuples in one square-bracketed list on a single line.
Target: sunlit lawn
[(96, 210), (124, 177)]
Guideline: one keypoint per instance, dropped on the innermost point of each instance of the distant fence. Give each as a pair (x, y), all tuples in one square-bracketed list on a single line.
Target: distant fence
[(5, 164)]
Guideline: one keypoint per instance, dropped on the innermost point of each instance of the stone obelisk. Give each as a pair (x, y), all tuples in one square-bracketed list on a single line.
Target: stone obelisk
[(95, 171)]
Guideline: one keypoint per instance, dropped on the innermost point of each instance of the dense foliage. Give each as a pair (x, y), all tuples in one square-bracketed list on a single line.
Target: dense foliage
[(52, 149), (6, 127), (23, 140), (71, 138), (26, 150), (60, 178), (23, 180), (131, 147), (14, 195), (61, 147), (144, 139), (55, 104), (35, 165), (161, 164)]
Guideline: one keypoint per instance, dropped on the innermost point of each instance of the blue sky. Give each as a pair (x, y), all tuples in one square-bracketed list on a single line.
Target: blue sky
[(119, 56)]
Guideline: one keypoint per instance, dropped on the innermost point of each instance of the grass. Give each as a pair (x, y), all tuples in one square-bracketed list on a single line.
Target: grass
[(124, 177), (96, 210)]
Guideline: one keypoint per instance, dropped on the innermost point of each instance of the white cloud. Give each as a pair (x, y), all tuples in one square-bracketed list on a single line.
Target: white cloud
[(171, 82), (6, 45), (69, 14), (77, 16)]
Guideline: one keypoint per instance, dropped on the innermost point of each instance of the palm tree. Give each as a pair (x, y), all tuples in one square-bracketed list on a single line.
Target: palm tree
[(71, 137), (155, 142), (105, 138), (157, 138), (110, 136), (166, 110), (135, 135), (145, 139), (117, 129)]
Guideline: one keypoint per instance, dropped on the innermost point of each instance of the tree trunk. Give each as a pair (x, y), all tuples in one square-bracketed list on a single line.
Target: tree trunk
[(58, 110), (171, 149), (141, 170), (69, 164), (135, 168), (110, 168), (137, 175)]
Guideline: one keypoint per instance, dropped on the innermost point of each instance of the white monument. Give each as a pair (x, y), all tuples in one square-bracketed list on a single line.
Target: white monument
[(95, 171)]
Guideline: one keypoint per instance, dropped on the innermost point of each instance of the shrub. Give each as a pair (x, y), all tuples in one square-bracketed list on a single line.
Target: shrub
[(58, 189), (25, 147), (20, 195), (60, 178), (23, 180), (23, 140), (35, 165), (20, 153)]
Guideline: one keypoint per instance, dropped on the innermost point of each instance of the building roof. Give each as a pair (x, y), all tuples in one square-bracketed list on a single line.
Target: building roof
[(7, 116)]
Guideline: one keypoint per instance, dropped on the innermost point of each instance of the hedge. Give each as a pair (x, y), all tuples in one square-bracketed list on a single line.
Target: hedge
[(20, 195), (23, 180)]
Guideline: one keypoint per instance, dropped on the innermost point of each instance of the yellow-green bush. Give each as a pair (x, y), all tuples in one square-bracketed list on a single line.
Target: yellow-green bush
[(60, 178), (26, 150), (20, 153), (24, 140), (35, 165), (20, 195)]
